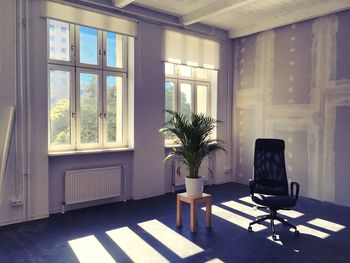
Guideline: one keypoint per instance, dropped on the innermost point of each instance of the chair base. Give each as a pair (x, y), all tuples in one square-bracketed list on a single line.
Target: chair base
[(273, 216)]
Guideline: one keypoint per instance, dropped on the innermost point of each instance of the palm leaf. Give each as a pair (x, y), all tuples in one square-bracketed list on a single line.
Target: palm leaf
[(193, 136)]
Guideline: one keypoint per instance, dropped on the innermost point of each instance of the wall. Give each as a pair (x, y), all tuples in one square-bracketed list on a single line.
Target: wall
[(293, 83), (37, 177)]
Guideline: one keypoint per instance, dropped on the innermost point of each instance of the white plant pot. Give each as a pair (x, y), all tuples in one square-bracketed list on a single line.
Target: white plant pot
[(194, 186)]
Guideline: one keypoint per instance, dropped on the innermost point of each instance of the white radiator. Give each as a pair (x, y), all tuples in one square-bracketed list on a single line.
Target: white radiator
[(92, 184)]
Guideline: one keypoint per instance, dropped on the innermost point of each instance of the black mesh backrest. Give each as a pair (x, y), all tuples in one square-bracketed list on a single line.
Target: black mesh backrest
[(269, 167)]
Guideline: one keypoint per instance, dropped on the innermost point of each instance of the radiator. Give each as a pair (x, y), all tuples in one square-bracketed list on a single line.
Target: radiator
[(92, 184)]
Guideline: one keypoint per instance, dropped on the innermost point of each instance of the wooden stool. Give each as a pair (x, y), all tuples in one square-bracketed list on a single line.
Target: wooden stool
[(193, 201)]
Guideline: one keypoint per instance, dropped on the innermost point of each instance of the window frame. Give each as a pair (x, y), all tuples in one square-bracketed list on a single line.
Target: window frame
[(208, 104), (79, 145), (71, 46), (99, 50), (190, 82), (71, 146), (123, 142), (102, 71), (177, 79), (124, 53)]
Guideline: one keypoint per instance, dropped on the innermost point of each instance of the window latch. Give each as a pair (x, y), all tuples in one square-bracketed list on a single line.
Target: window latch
[(101, 115), (73, 115), (100, 52)]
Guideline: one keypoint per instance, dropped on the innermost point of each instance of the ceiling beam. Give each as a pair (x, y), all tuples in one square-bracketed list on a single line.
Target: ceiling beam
[(122, 3), (292, 17), (212, 9)]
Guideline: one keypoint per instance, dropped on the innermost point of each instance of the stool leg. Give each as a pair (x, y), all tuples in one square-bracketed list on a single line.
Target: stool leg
[(178, 211), (193, 217), (208, 214)]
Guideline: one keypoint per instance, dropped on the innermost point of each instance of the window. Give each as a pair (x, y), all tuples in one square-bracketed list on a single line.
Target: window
[(87, 87), (187, 89)]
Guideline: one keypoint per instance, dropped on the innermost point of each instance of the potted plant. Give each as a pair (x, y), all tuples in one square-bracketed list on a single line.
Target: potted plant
[(193, 135)]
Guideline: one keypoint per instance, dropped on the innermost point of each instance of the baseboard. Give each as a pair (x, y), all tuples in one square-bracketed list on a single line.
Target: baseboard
[(21, 220)]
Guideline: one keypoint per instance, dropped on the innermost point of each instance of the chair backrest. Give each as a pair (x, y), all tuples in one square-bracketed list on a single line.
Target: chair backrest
[(270, 175)]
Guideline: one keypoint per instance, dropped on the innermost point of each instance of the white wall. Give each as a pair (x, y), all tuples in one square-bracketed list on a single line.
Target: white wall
[(293, 83), (145, 170)]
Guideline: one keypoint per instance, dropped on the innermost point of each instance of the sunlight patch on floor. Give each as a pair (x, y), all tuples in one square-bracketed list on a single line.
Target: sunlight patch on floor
[(311, 231), (214, 260), (334, 227), (134, 246), (234, 218), (174, 241), (275, 241), (289, 213), (244, 208), (89, 250)]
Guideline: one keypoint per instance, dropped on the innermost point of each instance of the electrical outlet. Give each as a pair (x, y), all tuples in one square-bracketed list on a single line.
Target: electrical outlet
[(227, 170), (16, 201)]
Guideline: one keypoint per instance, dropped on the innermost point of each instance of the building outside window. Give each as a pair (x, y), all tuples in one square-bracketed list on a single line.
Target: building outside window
[(87, 85)]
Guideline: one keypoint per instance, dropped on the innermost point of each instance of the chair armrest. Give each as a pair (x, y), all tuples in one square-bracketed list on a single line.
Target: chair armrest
[(295, 194), (251, 186)]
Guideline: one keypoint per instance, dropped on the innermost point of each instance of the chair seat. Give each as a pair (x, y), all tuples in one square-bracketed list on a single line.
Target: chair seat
[(274, 201)]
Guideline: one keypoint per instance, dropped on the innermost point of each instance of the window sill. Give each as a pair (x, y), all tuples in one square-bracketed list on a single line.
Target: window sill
[(63, 153)]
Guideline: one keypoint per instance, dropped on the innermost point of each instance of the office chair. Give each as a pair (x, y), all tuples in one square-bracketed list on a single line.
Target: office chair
[(269, 188)]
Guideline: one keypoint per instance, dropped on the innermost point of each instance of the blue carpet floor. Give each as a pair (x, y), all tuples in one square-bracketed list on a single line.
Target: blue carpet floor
[(145, 231)]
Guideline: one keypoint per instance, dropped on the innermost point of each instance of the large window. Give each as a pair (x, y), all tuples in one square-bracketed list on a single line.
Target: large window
[(187, 89), (87, 71)]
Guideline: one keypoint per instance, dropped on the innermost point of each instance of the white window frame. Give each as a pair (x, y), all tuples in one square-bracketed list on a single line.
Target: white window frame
[(181, 81), (175, 93), (102, 71), (82, 146), (124, 54), (71, 146), (124, 113), (99, 50), (207, 84), (71, 47), (177, 79)]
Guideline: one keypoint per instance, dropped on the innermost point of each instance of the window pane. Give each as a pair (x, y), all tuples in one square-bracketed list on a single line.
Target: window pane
[(114, 50), (185, 99), (169, 69), (169, 98), (201, 73), (169, 102), (114, 116), (201, 100), (88, 108), (185, 71), (88, 45), (59, 40), (59, 106)]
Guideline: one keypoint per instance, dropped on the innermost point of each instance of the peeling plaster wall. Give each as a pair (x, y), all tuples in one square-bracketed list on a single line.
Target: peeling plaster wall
[(293, 83)]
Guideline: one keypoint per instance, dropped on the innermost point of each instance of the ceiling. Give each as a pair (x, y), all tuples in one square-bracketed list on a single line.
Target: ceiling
[(242, 17)]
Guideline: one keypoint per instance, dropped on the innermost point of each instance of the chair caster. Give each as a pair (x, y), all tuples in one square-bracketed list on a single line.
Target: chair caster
[(296, 233), (274, 237), (250, 229)]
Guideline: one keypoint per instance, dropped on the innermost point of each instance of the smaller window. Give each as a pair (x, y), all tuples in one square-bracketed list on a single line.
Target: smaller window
[(187, 90), (58, 50), (185, 71), (89, 46), (114, 50), (169, 69), (201, 73)]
